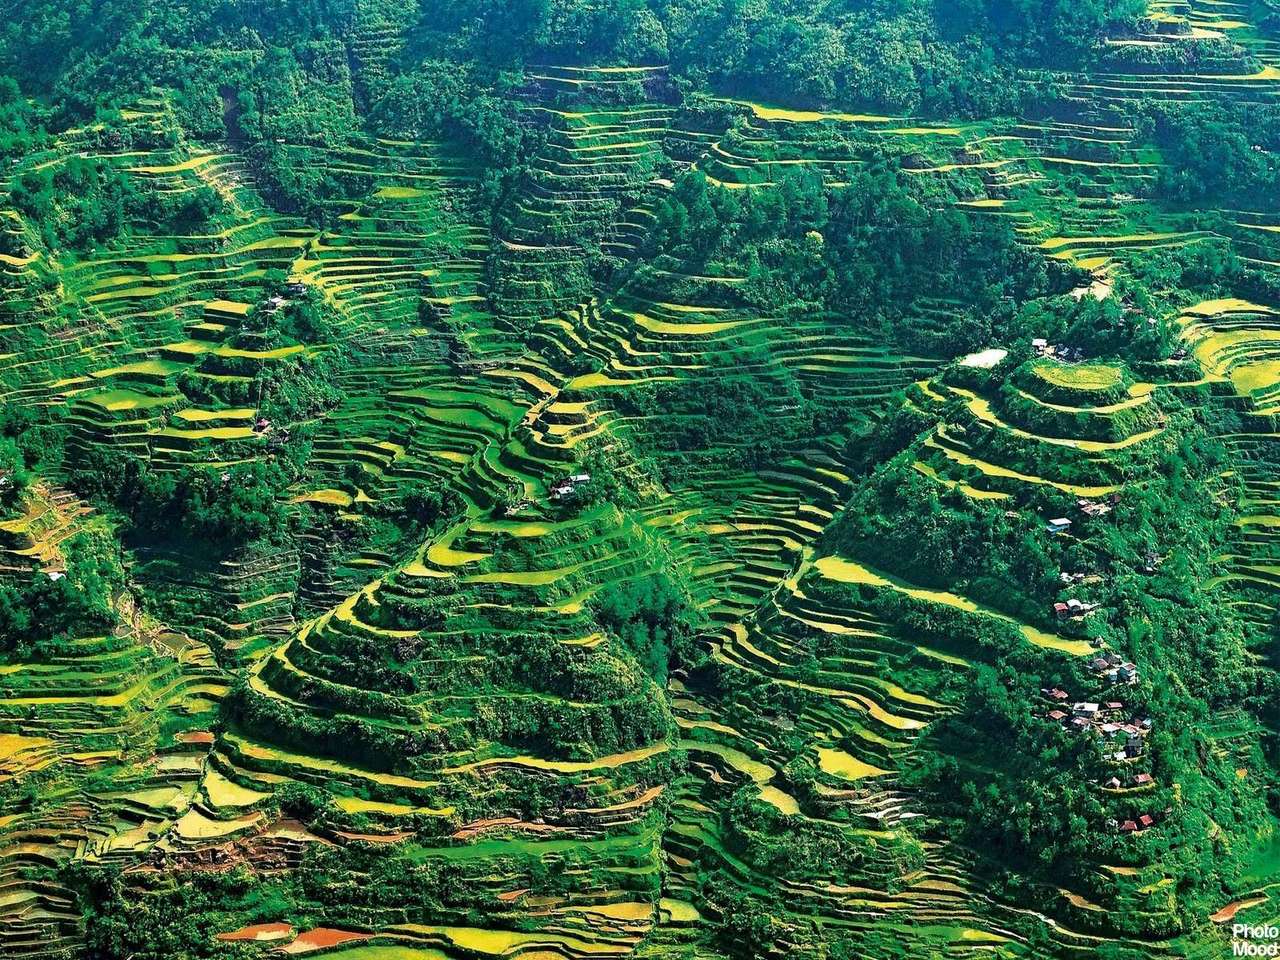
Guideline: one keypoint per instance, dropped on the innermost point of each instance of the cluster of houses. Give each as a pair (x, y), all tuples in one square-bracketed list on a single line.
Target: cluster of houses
[(1114, 669), (1044, 348), (1090, 508), (1144, 821), (291, 290), (1095, 508), (1120, 737), (1073, 609), (516, 507), (1070, 579), (568, 487), (1134, 780)]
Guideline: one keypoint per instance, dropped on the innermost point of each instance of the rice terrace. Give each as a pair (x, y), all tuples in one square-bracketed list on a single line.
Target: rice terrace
[(592, 479)]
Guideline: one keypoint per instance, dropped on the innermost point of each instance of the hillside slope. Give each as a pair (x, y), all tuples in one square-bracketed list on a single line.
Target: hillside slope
[(471, 490)]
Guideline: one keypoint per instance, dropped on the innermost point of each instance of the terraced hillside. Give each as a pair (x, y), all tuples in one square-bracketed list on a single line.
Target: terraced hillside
[(611, 514)]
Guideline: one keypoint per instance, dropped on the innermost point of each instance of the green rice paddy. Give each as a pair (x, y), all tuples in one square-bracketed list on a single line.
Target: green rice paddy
[(496, 407)]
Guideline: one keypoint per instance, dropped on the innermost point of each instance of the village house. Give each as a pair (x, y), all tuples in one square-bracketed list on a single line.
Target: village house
[(1057, 526), (1112, 668), (1108, 661), (568, 487), (1073, 609), (1066, 354)]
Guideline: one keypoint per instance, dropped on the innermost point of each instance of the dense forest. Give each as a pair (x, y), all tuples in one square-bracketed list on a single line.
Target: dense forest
[(644, 478)]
